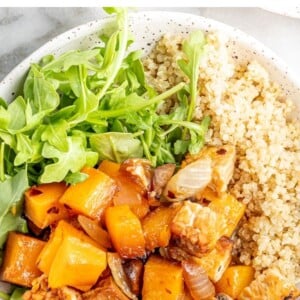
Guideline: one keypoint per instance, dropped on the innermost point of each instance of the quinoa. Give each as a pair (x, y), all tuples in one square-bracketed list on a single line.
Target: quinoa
[(248, 111)]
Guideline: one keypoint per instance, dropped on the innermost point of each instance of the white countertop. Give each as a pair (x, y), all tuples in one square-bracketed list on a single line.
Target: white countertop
[(23, 30)]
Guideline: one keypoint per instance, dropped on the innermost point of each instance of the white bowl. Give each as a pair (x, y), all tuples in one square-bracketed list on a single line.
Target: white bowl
[(147, 27)]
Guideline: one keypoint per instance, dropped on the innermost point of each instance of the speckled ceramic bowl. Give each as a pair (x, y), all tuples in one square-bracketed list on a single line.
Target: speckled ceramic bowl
[(147, 27)]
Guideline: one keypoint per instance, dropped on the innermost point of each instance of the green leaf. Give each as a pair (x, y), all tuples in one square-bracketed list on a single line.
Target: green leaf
[(73, 160), (56, 135), (73, 178), (40, 92), (71, 58), (193, 47), (116, 146), (17, 294), (4, 117), (16, 109), (24, 149), (12, 190)]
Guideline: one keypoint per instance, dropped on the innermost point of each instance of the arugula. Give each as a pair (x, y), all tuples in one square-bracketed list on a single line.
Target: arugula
[(85, 106), (12, 190), (193, 49)]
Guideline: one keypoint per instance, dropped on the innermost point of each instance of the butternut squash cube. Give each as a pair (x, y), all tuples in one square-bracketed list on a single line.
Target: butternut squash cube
[(231, 210), (91, 196), (128, 192), (234, 280), (216, 261), (77, 263), (42, 206), (19, 263), (110, 168), (71, 258), (163, 279), (125, 230), (156, 227)]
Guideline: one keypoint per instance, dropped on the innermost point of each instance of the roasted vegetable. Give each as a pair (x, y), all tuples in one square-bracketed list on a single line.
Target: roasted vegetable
[(163, 279), (128, 192), (189, 181), (105, 290), (115, 264), (19, 262), (229, 209), (161, 176), (71, 258), (196, 228), (91, 196), (234, 280), (196, 280), (216, 262), (125, 230), (156, 227), (223, 160), (139, 171), (110, 168), (134, 271), (42, 206), (95, 231)]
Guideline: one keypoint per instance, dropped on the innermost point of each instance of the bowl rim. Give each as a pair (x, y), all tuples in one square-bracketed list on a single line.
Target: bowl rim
[(96, 25)]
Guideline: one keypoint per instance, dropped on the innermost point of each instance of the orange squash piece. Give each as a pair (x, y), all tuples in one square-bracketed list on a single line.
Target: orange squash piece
[(91, 196), (71, 258), (19, 265), (231, 210), (234, 280), (216, 261), (125, 230), (110, 168), (42, 206), (128, 192), (77, 263), (163, 279), (156, 227)]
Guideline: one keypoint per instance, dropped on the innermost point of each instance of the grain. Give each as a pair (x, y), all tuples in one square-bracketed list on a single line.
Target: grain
[(248, 111)]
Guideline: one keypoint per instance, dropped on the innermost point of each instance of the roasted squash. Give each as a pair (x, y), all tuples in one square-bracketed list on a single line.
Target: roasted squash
[(125, 230), (105, 290), (216, 261), (128, 192), (71, 258), (231, 210), (91, 196), (77, 263), (42, 206), (234, 280), (19, 263), (156, 227), (110, 168), (163, 279)]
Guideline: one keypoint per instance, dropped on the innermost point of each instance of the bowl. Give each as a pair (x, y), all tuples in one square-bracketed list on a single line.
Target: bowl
[(147, 28)]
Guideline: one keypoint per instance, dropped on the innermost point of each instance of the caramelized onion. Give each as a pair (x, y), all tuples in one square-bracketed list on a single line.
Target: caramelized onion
[(115, 264), (197, 281), (94, 231), (189, 181)]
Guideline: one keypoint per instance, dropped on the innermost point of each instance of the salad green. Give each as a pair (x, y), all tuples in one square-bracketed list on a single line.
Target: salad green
[(86, 106)]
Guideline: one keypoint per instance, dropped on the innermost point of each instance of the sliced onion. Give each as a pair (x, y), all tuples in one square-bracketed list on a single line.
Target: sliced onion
[(197, 281), (115, 264), (189, 181), (94, 231)]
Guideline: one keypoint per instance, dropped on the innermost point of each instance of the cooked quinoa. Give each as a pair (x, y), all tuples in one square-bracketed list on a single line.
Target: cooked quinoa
[(248, 111)]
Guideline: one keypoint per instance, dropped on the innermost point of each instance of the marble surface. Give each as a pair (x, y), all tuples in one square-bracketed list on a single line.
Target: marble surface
[(23, 30)]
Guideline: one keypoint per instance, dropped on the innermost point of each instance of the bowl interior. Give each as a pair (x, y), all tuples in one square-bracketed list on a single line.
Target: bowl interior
[(147, 28)]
